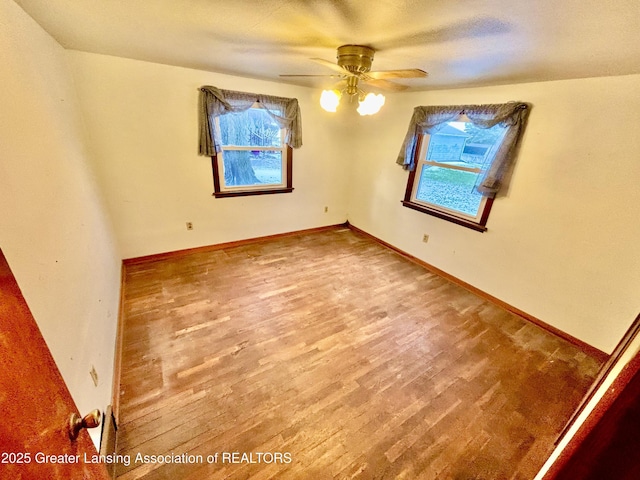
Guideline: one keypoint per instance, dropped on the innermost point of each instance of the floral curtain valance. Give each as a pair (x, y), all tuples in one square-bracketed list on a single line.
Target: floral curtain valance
[(215, 102), (512, 115)]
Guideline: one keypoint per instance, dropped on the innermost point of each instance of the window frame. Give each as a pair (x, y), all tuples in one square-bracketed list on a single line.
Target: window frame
[(220, 190), (478, 223)]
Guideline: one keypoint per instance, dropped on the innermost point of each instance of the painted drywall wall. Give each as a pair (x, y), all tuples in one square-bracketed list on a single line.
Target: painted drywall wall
[(562, 244), (54, 230), (142, 122)]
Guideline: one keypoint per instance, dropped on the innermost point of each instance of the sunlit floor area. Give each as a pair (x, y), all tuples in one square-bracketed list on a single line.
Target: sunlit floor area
[(327, 355)]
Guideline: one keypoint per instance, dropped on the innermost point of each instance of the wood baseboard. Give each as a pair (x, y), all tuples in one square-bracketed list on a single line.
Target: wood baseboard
[(117, 357), (220, 246), (585, 347)]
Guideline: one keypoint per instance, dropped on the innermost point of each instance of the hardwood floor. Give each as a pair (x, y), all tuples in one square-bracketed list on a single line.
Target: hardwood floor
[(327, 355)]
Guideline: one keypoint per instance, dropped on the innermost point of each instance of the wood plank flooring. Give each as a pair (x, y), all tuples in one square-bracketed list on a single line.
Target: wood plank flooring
[(329, 356)]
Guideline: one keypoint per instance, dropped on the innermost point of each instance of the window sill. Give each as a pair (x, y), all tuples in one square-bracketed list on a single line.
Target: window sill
[(246, 193), (444, 216)]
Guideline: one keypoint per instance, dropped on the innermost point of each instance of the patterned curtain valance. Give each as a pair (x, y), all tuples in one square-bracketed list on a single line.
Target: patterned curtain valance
[(215, 102), (428, 120)]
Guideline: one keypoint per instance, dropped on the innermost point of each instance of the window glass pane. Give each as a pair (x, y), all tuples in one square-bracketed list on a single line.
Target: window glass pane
[(251, 128), (446, 148), (249, 168), (464, 144), (452, 189)]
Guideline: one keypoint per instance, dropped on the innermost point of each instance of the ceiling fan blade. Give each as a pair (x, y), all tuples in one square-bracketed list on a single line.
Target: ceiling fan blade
[(332, 66), (294, 75), (384, 84), (409, 73)]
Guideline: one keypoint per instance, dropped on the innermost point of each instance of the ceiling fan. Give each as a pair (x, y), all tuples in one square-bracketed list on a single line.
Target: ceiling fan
[(354, 66)]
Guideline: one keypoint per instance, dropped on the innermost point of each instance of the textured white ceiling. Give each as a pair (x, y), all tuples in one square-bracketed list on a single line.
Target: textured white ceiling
[(459, 42)]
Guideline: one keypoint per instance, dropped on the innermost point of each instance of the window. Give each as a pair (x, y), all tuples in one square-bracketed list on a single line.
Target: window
[(457, 157), (249, 138), (449, 167), (254, 158)]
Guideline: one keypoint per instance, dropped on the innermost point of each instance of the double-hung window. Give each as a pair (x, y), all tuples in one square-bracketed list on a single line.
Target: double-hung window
[(457, 157), (254, 157), (449, 166), (249, 138)]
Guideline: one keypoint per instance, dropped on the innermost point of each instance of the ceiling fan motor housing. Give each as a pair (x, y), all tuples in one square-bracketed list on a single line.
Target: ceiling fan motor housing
[(355, 58)]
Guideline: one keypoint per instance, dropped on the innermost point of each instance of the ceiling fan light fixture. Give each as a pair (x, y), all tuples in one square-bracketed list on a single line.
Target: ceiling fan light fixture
[(330, 99), (371, 104), (354, 67)]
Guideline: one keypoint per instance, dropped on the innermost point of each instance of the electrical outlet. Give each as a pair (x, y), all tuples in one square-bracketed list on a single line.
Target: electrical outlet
[(425, 238), (326, 209), (189, 226), (94, 375)]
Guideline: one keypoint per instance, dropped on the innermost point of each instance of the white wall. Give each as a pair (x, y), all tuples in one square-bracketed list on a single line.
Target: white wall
[(563, 245), (54, 230), (142, 122)]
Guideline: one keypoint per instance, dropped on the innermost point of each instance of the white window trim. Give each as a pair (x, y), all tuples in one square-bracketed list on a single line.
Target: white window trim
[(422, 161), (285, 181)]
